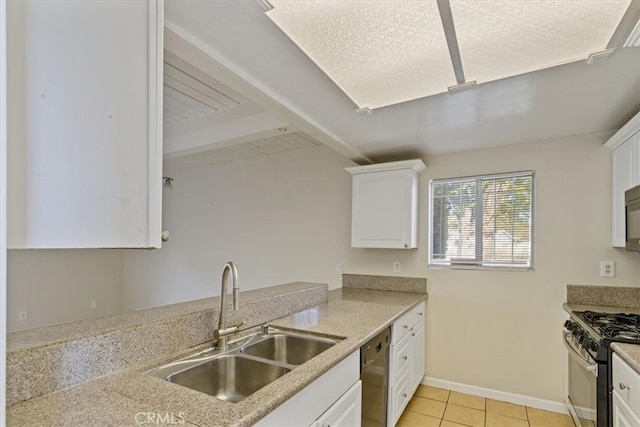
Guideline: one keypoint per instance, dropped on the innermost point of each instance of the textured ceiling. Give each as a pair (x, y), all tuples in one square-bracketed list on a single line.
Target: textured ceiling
[(381, 53), (571, 99)]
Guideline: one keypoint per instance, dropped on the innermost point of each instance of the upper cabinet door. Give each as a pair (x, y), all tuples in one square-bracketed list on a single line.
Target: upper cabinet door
[(85, 124), (384, 205), (623, 177)]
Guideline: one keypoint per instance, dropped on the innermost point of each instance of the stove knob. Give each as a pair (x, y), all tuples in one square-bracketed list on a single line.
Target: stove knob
[(594, 346), (568, 324), (586, 343)]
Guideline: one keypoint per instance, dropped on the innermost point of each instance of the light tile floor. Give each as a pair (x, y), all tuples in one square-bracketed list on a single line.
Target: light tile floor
[(436, 407)]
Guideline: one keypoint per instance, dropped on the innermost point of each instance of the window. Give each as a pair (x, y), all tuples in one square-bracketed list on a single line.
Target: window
[(482, 221)]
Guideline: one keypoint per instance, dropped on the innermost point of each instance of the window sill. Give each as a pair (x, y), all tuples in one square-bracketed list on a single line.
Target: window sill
[(479, 267)]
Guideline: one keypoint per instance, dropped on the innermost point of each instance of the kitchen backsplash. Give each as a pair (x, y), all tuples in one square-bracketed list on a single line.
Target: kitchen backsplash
[(603, 295), (385, 283)]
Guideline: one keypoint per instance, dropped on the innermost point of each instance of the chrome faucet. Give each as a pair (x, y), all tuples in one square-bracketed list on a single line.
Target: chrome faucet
[(221, 333)]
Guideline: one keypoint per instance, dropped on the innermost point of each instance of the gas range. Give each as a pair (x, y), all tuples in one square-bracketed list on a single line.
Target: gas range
[(588, 336), (595, 331)]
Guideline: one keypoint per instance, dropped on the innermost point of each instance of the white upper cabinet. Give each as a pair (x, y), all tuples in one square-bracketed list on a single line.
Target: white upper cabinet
[(385, 205), (625, 173), (85, 123)]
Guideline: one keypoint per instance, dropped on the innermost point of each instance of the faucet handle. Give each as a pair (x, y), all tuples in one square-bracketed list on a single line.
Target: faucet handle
[(264, 330), (227, 331)]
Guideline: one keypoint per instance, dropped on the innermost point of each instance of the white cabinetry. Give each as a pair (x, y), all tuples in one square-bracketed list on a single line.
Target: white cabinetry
[(385, 205), (625, 173), (346, 412), (334, 399), (85, 123), (407, 360), (626, 394)]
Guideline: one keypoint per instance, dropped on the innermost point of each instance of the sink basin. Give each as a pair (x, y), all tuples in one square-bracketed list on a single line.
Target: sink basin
[(247, 365), (286, 348), (229, 377)]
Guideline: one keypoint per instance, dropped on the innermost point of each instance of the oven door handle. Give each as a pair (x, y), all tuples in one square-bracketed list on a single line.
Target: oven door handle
[(573, 352)]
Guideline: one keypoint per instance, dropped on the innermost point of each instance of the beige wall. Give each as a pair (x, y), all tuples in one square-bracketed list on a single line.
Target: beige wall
[(280, 218), (498, 329), (58, 285), (287, 217)]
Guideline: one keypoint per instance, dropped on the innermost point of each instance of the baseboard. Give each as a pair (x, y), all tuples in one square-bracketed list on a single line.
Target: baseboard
[(519, 399)]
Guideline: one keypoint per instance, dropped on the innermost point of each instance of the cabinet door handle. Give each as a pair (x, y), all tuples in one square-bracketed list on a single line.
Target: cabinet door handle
[(406, 246), (413, 334), (623, 386), (404, 395), (405, 357), (419, 313), (405, 326)]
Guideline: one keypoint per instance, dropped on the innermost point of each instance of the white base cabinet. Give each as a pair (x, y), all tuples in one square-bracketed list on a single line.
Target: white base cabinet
[(334, 399), (406, 361), (346, 412), (626, 394), (623, 416), (85, 123), (625, 174), (384, 205)]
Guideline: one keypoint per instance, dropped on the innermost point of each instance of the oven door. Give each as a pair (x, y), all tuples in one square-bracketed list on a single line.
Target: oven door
[(582, 384)]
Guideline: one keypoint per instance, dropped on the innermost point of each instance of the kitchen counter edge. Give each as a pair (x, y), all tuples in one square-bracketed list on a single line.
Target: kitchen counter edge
[(117, 399)]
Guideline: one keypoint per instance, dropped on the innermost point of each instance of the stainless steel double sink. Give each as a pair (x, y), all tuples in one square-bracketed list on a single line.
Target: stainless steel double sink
[(247, 365)]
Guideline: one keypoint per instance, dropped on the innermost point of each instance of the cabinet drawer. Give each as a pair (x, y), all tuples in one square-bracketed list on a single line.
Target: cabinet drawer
[(626, 382), (402, 326), (399, 399), (400, 363), (418, 313)]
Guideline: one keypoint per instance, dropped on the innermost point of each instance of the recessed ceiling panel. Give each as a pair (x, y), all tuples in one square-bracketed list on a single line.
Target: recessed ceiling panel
[(503, 38), (378, 52)]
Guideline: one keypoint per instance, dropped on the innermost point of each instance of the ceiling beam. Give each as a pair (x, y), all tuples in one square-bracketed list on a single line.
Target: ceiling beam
[(452, 41), (208, 59)]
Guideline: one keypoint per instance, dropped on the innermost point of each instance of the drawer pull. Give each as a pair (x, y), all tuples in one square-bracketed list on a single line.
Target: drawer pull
[(413, 334), (405, 326), (419, 313), (404, 395), (623, 386), (405, 357)]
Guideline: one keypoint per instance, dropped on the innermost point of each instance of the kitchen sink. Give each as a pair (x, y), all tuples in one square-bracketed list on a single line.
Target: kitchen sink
[(229, 377), (247, 365), (287, 348)]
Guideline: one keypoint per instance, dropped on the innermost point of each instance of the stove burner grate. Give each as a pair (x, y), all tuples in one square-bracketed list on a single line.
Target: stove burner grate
[(602, 319), (621, 326)]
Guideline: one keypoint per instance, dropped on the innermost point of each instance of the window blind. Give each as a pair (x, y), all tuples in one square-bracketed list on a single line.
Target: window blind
[(483, 221)]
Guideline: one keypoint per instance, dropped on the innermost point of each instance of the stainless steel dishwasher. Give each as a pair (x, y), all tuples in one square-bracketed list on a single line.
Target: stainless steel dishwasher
[(374, 373)]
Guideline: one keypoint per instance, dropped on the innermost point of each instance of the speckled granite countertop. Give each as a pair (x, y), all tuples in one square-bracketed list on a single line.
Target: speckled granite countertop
[(117, 399), (630, 353)]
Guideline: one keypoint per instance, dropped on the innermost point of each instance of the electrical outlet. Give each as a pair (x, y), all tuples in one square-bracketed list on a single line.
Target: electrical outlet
[(397, 266), (607, 269), (339, 269), (22, 315)]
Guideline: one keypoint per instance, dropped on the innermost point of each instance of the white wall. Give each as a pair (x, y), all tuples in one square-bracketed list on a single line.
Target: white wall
[(280, 218), (57, 285)]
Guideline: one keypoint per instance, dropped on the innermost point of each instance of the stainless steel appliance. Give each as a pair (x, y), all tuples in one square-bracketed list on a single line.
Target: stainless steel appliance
[(374, 373), (632, 216), (588, 336)]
